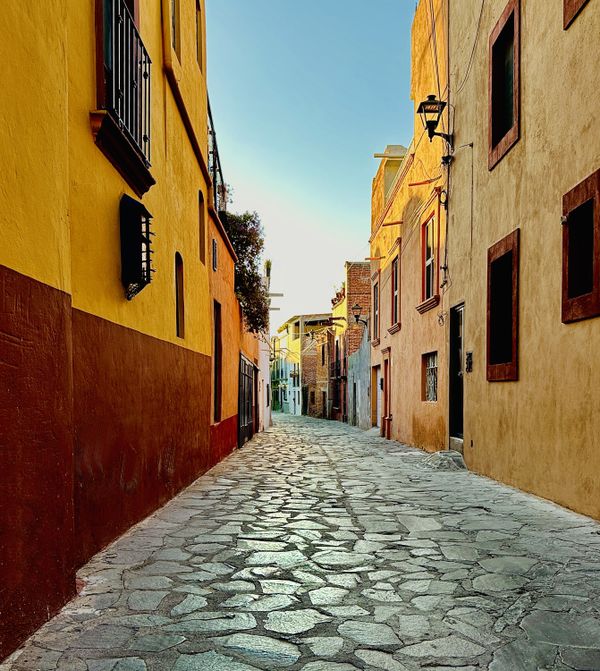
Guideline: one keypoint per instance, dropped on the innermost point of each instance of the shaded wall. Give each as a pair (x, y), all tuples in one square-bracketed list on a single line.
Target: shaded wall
[(141, 413), (36, 474), (359, 378), (540, 433)]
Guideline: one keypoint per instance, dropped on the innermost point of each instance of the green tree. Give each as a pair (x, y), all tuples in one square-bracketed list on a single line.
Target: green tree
[(247, 237)]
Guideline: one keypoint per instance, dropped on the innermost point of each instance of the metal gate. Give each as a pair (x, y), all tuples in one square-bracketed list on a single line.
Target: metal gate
[(245, 401)]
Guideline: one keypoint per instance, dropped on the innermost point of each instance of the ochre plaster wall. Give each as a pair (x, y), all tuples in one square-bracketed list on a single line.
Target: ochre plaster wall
[(414, 197), (222, 290), (541, 433), (110, 375), (36, 446), (34, 231), (96, 187)]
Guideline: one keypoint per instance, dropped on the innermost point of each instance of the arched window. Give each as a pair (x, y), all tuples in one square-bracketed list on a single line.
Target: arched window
[(202, 226), (179, 303)]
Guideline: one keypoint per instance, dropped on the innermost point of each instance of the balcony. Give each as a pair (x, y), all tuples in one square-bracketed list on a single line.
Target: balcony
[(121, 125), (335, 370), (219, 190)]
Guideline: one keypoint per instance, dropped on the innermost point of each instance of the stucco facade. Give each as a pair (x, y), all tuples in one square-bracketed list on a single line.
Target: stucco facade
[(539, 430), (294, 367), (106, 383), (345, 336), (359, 384), (408, 282)]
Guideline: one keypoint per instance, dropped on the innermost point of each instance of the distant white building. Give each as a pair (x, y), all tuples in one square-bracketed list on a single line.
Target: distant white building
[(264, 367)]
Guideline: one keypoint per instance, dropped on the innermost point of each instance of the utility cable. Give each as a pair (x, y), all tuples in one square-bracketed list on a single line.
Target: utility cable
[(470, 63)]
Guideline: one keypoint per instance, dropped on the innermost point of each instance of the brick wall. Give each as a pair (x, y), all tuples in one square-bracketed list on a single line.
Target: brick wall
[(358, 290)]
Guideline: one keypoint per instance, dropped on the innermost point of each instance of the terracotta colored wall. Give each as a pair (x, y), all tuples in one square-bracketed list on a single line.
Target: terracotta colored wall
[(141, 409), (224, 437), (411, 200), (540, 433), (358, 291), (221, 283), (36, 473)]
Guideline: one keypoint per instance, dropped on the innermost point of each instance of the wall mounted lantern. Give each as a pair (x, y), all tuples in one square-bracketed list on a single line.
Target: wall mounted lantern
[(430, 111), (356, 311)]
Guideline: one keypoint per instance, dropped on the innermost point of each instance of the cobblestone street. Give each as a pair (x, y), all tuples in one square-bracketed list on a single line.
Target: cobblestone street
[(324, 548)]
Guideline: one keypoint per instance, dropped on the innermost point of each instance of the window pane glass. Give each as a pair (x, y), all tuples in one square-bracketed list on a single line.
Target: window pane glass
[(581, 250), (503, 68), (501, 309)]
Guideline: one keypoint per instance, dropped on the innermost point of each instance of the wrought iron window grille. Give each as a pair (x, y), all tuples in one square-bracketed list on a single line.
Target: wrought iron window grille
[(127, 75), (136, 246), (431, 377)]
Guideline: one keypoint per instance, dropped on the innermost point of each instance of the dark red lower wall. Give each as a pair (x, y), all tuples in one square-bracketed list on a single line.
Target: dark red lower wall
[(224, 437), (36, 456), (141, 422)]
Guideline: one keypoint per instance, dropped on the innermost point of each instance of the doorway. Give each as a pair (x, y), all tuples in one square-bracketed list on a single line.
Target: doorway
[(456, 375), (246, 405), (378, 380), (387, 411)]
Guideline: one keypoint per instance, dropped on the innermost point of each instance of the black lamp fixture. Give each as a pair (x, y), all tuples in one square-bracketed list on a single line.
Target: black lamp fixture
[(356, 311), (431, 111)]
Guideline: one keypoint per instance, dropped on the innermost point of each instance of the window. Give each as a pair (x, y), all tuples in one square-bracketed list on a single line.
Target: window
[(430, 376), (217, 361), (199, 33), (581, 251), (121, 122), (502, 309), (504, 84), (214, 255), (202, 227), (268, 395), (322, 355), (395, 292), (571, 9), (376, 311), (312, 397), (136, 252), (175, 28), (429, 274), (179, 307)]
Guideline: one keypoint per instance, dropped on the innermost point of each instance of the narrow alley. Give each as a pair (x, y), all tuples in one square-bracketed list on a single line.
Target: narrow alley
[(321, 547)]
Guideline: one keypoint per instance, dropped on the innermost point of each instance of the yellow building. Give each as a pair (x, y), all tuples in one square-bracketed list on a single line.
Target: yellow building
[(409, 303), (106, 341), (294, 362), (524, 247)]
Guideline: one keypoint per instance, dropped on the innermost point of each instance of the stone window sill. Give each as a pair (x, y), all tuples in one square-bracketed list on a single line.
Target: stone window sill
[(394, 328), (429, 304)]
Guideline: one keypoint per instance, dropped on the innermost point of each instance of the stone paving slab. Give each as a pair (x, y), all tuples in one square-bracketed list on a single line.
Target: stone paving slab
[(324, 548)]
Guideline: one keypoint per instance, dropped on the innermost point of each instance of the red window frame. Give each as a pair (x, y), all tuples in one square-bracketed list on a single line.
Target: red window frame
[(507, 371), (376, 310), (571, 9), (395, 291), (428, 302), (497, 151), (585, 306)]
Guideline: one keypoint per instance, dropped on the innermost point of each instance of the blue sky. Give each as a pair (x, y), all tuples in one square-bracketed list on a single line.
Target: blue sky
[(303, 94)]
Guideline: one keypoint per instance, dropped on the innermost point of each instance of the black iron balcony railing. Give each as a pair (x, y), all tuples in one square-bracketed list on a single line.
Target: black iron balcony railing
[(127, 66), (214, 167)]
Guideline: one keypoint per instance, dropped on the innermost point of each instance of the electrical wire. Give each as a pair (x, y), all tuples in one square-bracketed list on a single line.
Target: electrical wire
[(470, 63)]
